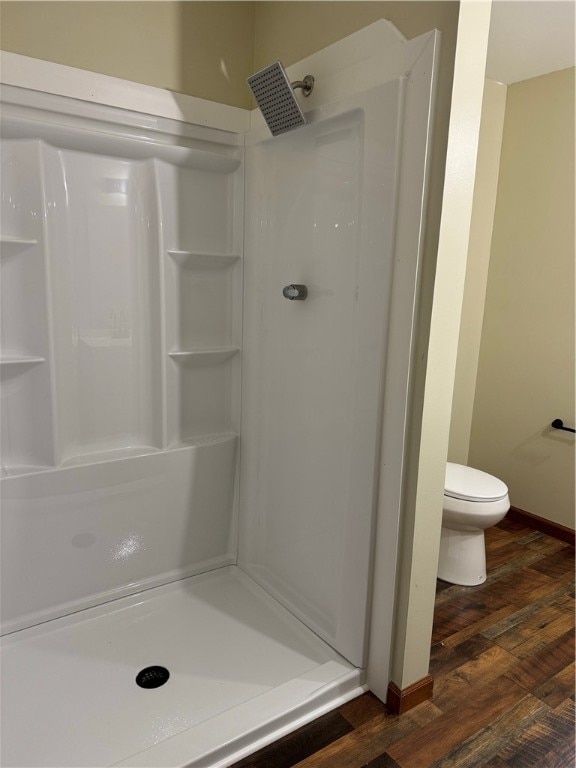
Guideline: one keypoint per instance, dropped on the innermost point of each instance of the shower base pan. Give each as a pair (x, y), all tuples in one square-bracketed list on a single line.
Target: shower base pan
[(242, 672)]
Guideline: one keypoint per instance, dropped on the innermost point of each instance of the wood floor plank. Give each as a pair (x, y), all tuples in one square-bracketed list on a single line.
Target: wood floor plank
[(293, 748), (384, 761), (494, 575), (515, 565), (446, 658), (546, 590), (562, 756), (546, 547), (497, 532), (544, 635), (371, 740), (441, 585), (504, 552), (486, 744), (546, 742), (495, 762), (512, 525), (558, 688), (512, 528), (558, 563), (479, 626), (518, 615), (520, 586), (566, 602), (536, 622), (534, 670), (532, 536), (463, 611), (459, 686), (448, 592), (563, 753), (420, 749), (364, 708)]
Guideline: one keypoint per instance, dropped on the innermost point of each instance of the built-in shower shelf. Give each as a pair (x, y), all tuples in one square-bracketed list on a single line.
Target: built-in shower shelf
[(113, 454), (10, 246), (199, 441), (20, 360), (204, 356), (14, 470), (193, 260)]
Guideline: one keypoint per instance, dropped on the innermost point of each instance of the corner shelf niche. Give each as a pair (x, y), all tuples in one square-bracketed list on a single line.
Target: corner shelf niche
[(14, 361), (10, 246), (199, 357), (202, 441), (113, 454), (202, 289), (202, 339), (204, 383), (202, 237), (193, 260), (20, 337)]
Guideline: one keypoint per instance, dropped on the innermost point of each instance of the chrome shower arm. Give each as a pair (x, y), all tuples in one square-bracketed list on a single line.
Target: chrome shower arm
[(306, 85)]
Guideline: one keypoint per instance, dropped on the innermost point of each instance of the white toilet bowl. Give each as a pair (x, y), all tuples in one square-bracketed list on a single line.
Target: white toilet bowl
[(473, 501)]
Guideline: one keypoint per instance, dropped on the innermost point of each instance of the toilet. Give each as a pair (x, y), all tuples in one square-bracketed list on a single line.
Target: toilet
[(473, 501)]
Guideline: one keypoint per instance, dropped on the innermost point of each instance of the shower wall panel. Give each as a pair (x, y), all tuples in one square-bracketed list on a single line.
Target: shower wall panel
[(320, 211), (77, 537), (121, 294)]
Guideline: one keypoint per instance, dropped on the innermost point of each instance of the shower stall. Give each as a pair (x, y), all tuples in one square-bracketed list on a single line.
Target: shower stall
[(201, 479)]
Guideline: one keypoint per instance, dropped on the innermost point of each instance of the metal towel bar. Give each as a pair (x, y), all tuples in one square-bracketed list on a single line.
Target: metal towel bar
[(559, 424)]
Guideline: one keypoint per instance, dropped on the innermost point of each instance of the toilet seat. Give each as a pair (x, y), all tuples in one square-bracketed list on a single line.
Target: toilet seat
[(468, 484)]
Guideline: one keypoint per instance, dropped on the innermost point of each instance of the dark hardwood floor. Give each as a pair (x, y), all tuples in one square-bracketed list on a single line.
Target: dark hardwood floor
[(503, 668)]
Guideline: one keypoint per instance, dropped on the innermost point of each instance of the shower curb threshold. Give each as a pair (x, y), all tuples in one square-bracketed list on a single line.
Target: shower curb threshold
[(253, 727)]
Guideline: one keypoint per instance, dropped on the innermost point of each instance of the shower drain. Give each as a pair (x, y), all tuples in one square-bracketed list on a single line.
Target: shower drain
[(152, 677)]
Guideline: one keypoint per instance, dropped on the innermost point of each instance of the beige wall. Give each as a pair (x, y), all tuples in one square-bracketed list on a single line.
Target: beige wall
[(526, 367), (290, 31), (484, 204), (204, 49)]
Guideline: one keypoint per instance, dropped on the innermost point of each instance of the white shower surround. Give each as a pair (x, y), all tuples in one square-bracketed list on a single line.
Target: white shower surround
[(176, 438)]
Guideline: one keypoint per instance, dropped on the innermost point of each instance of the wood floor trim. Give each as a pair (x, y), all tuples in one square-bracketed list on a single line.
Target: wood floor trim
[(399, 700), (550, 528)]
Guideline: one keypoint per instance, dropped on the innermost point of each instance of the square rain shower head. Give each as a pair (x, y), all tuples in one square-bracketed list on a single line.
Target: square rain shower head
[(276, 100)]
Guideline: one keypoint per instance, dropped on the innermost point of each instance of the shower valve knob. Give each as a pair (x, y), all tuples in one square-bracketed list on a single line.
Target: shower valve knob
[(295, 292)]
